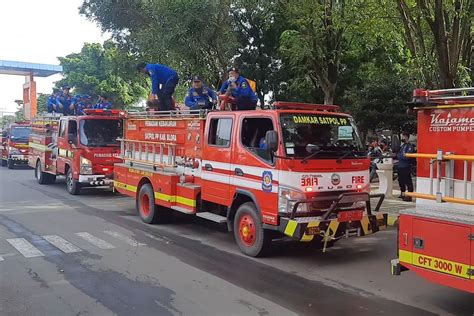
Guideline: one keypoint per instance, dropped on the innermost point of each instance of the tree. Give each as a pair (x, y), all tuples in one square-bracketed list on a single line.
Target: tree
[(103, 69), (315, 43), (439, 36), (193, 37), (258, 26), (42, 101)]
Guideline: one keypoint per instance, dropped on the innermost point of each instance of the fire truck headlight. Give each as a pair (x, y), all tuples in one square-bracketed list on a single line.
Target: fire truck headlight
[(86, 166), (287, 199), (13, 151)]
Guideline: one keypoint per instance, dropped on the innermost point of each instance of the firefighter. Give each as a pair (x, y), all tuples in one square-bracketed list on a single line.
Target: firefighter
[(76, 103), (63, 102), (103, 103), (239, 88), (51, 103), (163, 76), (404, 167), (200, 96)]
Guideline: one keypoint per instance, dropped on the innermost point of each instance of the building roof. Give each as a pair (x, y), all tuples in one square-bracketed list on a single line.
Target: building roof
[(8, 67)]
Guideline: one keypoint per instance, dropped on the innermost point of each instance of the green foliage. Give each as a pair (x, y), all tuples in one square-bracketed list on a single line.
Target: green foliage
[(105, 70), (6, 120), (42, 101)]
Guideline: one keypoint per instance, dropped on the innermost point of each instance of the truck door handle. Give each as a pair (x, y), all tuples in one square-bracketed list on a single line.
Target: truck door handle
[(208, 167), (238, 172)]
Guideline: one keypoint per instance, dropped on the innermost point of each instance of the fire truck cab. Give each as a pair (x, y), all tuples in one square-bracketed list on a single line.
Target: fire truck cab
[(15, 144), (297, 170), (82, 148), (436, 238)]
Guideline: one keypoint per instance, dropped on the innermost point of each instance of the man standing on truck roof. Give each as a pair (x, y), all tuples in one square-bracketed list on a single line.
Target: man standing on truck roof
[(404, 167), (163, 83), (200, 96), (51, 103), (239, 88), (63, 102)]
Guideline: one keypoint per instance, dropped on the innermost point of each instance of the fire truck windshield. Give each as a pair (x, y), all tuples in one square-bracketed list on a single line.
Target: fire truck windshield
[(333, 135), (20, 134), (100, 133)]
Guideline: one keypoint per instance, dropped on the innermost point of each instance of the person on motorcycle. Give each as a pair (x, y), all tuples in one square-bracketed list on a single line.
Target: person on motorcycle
[(163, 83), (239, 88), (200, 96), (404, 167)]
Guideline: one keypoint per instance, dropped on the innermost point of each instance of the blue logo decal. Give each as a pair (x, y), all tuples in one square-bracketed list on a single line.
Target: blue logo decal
[(267, 179)]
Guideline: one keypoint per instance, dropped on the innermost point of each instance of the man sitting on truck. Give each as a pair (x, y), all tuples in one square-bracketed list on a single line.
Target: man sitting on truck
[(63, 102), (239, 88), (103, 103), (51, 105), (163, 83), (200, 96)]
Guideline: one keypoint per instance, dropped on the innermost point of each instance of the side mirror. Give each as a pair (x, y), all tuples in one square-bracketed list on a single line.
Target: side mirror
[(271, 139)]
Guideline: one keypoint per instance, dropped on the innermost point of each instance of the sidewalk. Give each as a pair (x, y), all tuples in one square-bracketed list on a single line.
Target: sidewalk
[(391, 205)]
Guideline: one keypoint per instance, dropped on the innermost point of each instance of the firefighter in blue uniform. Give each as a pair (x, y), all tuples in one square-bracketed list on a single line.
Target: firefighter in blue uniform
[(239, 88), (76, 103), (200, 96), (103, 103), (163, 83), (51, 102), (63, 102)]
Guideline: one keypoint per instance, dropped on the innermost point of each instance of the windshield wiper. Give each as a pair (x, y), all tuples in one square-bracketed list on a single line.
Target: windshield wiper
[(347, 153), (313, 154)]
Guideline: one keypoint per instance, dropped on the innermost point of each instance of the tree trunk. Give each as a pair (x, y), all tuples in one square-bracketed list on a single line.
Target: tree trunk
[(329, 93)]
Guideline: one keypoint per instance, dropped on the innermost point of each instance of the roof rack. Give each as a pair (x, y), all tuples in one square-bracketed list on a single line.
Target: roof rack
[(422, 97), (283, 105), (168, 114)]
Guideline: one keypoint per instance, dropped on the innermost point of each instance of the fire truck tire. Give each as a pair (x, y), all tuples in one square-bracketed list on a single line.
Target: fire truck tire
[(72, 186), (150, 213), (10, 164), (43, 177), (252, 239)]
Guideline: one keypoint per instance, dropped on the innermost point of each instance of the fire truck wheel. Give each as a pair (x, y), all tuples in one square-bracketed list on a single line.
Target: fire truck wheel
[(43, 177), (249, 234), (150, 212), (10, 164), (73, 187)]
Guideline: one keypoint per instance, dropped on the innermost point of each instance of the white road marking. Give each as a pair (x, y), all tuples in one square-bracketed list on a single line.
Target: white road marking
[(100, 243), (62, 244), (132, 242), (25, 248), (1, 259)]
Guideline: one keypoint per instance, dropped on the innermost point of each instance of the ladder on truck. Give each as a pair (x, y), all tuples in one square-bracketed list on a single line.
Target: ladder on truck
[(445, 99), (152, 153), (459, 97)]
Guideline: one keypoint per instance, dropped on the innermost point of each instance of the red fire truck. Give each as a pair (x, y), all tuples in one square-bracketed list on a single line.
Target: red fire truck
[(15, 144), (297, 170), (82, 148), (436, 238)]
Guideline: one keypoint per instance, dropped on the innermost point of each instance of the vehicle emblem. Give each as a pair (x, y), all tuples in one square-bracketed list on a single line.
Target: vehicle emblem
[(335, 179)]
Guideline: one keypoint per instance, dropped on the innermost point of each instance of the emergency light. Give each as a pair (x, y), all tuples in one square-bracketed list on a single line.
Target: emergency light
[(103, 112)]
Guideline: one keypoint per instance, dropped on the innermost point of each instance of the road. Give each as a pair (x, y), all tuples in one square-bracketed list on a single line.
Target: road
[(91, 255)]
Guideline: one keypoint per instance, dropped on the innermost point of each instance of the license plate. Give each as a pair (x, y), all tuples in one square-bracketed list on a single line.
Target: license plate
[(350, 216)]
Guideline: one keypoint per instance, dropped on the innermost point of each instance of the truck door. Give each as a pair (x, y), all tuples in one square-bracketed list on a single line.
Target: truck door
[(67, 133), (216, 162)]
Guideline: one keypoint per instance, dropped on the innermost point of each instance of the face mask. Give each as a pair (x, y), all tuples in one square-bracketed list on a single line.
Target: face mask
[(232, 79)]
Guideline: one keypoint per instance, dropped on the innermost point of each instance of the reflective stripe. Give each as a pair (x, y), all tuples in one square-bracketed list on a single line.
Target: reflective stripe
[(124, 186), (40, 147), (290, 228), (435, 264)]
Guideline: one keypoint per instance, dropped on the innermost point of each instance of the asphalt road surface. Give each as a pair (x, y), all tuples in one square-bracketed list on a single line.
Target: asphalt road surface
[(91, 255)]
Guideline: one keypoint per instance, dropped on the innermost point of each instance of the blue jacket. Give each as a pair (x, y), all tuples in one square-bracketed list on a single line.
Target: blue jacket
[(405, 162), (65, 100), (242, 90), (103, 105), (50, 103), (196, 100), (159, 74)]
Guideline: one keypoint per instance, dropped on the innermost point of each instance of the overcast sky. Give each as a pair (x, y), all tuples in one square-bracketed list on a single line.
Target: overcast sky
[(39, 31)]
